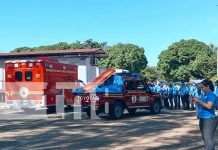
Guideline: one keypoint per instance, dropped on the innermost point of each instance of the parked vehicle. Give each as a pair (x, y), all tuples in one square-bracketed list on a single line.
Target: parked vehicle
[(34, 84), (119, 90)]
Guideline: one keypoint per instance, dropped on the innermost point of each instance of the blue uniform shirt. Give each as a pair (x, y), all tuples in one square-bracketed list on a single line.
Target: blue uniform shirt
[(216, 91), (197, 95), (157, 88), (183, 90), (188, 89), (192, 89), (207, 113), (165, 89), (152, 88), (175, 90), (170, 90)]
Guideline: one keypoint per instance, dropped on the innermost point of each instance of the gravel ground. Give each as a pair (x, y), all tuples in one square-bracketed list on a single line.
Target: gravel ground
[(172, 129)]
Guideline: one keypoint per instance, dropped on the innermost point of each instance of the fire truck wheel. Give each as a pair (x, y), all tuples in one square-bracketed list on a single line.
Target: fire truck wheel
[(131, 110), (116, 111), (155, 107), (51, 109), (68, 107)]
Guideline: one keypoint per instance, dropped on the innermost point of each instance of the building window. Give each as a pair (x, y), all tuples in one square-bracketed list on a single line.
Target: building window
[(94, 61)]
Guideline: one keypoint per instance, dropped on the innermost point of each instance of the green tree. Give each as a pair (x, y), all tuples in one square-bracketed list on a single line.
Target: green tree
[(77, 45), (58, 46), (187, 59), (93, 44), (150, 73), (44, 47), (125, 56), (22, 49), (64, 46)]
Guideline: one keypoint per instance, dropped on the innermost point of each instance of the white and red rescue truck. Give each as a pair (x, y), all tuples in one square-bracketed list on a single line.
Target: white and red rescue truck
[(32, 84)]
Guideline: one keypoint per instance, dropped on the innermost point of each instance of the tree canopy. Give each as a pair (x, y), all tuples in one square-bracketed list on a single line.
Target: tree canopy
[(125, 56), (181, 61), (63, 46), (22, 49), (187, 59), (150, 73)]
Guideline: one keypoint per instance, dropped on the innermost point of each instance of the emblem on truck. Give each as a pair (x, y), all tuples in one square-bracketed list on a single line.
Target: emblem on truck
[(134, 99), (24, 92)]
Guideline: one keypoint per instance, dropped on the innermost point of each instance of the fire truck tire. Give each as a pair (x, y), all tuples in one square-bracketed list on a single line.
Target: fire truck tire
[(51, 109), (131, 110), (116, 111), (155, 107), (67, 106)]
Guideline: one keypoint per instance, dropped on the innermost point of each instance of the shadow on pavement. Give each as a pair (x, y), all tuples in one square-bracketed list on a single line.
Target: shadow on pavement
[(56, 133)]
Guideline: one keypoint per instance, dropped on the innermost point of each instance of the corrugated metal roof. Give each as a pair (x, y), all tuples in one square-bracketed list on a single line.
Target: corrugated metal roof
[(54, 52)]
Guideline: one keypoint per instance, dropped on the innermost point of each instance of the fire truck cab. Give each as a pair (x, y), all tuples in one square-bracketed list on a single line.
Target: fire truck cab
[(32, 84), (118, 90)]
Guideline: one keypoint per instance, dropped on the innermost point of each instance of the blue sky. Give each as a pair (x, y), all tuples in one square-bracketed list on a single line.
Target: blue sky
[(151, 24)]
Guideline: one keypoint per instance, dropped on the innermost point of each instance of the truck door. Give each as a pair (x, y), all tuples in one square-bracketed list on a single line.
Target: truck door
[(137, 93)]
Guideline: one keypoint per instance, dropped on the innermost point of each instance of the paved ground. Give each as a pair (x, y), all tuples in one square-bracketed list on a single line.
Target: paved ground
[(168, 130)]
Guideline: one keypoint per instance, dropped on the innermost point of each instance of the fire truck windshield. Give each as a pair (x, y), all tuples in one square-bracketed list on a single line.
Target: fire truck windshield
[(28, 75), (18, 76)]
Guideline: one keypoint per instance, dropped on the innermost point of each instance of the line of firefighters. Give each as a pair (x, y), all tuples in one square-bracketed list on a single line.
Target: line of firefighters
[(175, 94)]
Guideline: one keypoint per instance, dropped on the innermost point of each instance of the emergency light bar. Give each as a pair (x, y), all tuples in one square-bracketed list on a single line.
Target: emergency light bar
[(121, 71)]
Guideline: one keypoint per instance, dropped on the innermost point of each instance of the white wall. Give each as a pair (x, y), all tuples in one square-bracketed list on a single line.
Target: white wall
[(86, 72), (74, 60), (2, 78), (82, 73), (2, 74), (101, 70)]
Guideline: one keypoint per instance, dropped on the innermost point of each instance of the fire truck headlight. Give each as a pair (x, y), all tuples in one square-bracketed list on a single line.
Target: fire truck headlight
[(95, 99)]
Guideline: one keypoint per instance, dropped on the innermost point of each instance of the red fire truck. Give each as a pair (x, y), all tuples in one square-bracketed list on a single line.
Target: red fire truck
[(34, 84), (116, 90)]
